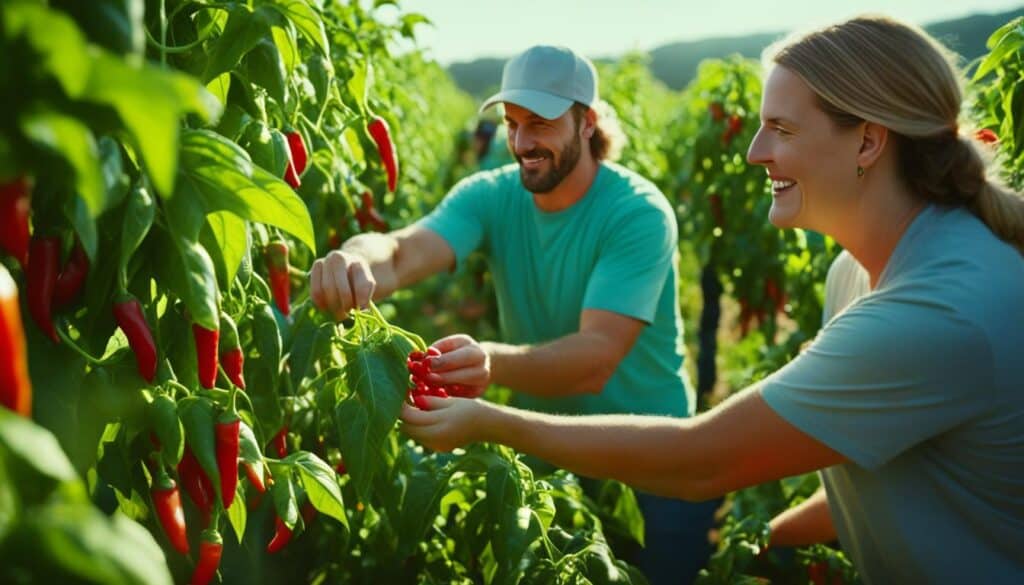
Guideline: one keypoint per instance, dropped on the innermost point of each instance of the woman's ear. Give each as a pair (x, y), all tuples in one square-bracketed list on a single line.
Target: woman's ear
[(874, 137)]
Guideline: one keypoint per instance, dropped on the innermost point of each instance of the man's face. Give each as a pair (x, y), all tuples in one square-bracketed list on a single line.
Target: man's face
[(547, 150)]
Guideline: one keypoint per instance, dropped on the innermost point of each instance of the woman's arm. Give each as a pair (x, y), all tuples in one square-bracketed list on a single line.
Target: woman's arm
[(740, 443), (805, 524)]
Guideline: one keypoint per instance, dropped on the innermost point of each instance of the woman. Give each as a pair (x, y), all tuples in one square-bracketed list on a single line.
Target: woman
[(910, 401)]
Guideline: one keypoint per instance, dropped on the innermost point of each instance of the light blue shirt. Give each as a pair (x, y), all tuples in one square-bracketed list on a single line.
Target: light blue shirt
[(614, 249), (920, 384)]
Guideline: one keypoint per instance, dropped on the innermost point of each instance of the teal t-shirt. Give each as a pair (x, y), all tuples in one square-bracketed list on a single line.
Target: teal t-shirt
[(614, 249), (920, 384)]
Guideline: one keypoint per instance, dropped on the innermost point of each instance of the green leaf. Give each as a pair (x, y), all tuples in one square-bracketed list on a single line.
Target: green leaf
[(230, 233), (190, 274), (287, 46), (138, 218), (359, 85), (423, 495), (34, 446), (409, 22), (378, 382), (74, 141), (60, 44), (283, 494), (62, 543), (198, 419), (321, 485), (115, 25), (309, 23), (267, 69), (220, 175), (219, 87), (163, 420), (151, 102), (619, 503), (237, 514), (244, 29)]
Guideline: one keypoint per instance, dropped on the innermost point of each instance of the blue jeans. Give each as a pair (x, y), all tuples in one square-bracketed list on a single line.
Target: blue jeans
[(676, 538)]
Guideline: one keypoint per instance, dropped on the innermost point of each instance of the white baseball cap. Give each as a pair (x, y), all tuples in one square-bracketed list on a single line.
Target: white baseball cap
[(547, 80)]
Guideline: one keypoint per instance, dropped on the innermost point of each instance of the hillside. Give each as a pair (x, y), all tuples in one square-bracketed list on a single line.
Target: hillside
[(676, 63)]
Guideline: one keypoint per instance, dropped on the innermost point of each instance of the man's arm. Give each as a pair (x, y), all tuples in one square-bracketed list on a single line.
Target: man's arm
[(803, 525), (579, 363), (372, 266)]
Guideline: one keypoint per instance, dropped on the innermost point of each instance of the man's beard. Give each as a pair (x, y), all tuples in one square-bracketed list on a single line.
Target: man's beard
[(539, 181)]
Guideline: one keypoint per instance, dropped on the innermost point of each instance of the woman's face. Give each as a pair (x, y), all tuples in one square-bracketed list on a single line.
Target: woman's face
[(811, 162)]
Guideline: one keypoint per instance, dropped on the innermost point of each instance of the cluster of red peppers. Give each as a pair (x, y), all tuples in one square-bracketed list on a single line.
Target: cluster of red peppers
[(733, 124), (772, 292), (418, 364)]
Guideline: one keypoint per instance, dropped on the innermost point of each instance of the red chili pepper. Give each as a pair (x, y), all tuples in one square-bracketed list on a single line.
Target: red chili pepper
[(733, 127), (206, 354), (340, 468), (986, 136), (72, 277), (291, 177), (254, 478), (15, 206), (231, 356), (132, 321), (280, 442), (226, 432), (276, 257), (211, 545), (308, 512), (282, 534), (15, 385), (43, 266), (717, 111), (817, 573), (298, 150), (715, 200), (167, 503), (196, 483), (368, 217), (381, 134)]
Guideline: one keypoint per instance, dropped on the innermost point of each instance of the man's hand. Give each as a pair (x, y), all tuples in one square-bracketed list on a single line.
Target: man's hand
[(340, 282), (463, 361), (449, 423)]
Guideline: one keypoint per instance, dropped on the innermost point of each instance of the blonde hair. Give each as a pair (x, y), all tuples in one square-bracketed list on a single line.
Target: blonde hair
[(878, 70)]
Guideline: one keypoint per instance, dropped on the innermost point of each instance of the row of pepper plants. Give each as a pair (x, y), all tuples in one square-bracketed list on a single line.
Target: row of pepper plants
[(170, 169)]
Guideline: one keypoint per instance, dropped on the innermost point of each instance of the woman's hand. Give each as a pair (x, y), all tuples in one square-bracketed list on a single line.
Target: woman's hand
[(463, 362), (449, 423)]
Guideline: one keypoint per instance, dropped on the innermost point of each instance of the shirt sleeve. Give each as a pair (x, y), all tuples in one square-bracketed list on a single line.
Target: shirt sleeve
[(461, 217), (633, 263), (883, 377)]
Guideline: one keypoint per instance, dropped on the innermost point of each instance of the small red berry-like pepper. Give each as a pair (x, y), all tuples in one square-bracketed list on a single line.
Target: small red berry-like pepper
[(211, 545), (15, 206), (381, 134), (167, 503), (15, 385), (130, 318), (206, 354), (276, 257)]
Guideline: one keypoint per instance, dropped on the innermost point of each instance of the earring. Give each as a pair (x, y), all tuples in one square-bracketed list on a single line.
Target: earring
[(860, 171)]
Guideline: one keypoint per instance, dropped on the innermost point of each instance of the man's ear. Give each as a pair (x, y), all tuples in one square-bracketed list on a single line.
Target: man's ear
[(589, 123), (874, 137)]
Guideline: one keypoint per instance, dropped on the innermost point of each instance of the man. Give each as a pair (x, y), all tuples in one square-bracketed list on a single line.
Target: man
[(582, 252)]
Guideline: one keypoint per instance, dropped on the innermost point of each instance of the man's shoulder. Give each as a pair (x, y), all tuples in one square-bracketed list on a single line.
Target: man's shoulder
[(632, 196), (503, 177)]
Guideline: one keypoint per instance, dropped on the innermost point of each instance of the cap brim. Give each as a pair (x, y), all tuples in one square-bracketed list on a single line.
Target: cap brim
[(543, 104)]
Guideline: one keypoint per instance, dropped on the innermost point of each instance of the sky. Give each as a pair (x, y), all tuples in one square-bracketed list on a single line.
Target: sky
[(468, 29)]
